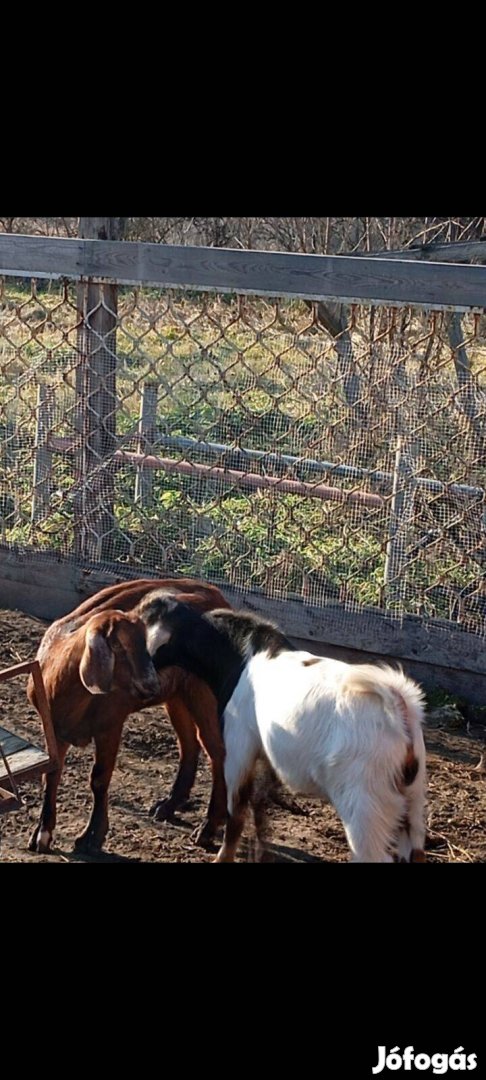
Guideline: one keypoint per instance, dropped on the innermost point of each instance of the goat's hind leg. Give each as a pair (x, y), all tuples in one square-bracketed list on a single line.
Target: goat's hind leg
[(235, 823), (371, 826), (243, 747), (411, 837)]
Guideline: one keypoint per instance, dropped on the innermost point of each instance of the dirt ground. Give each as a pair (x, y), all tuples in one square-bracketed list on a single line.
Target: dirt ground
[(146, 767)]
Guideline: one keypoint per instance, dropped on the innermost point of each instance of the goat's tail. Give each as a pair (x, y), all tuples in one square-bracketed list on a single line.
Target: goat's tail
[(402, 699), (403, 702)]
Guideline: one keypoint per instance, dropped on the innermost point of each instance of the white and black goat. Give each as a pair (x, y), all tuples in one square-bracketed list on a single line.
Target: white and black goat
[(348, 734)]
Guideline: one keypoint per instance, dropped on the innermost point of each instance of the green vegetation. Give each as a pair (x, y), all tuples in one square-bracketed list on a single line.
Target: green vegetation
[(248, 373)]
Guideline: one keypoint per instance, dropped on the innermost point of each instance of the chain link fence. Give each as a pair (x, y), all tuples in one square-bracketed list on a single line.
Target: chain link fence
[(248, 441)]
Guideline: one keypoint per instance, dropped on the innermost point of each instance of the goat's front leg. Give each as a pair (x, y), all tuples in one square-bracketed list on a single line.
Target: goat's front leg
[(217, 810), (211, 738), (107, 744), (184, 727), (41, 838)]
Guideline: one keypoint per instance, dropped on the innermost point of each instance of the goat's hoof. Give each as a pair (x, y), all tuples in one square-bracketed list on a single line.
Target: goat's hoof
[(290, 805), (40, 841), (87, 844), (32, 846), (162, 810), (204, 835)]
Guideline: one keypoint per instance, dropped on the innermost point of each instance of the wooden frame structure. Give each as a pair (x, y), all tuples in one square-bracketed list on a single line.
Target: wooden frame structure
[(346, 279), (48, 585), (20, 759)]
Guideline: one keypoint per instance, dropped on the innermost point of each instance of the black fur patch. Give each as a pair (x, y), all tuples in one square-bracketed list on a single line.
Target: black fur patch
[(250, 634), (410, 770), (215, 645), (156, 605)]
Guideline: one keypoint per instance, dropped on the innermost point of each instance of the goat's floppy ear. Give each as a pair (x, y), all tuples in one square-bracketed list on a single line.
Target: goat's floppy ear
[(97, 664)]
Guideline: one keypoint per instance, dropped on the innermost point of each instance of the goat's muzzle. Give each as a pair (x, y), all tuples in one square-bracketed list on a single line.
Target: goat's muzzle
[(148, 687)]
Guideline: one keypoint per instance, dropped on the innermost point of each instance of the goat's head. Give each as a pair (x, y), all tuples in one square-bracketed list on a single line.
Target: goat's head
[(115, 656), (162, 613)]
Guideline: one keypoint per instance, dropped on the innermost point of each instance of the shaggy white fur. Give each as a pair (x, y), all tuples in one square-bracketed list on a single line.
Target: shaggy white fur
[(337, 731)]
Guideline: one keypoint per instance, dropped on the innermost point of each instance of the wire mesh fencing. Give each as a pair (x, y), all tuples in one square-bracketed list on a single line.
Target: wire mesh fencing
[(249, 441)]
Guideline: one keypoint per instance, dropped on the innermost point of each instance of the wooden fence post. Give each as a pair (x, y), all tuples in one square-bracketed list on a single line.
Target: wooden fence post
[(147, 434), (42, 484), (401, 516), (96, 404)]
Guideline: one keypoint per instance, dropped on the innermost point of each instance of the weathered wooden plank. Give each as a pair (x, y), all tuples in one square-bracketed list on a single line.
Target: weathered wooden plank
[(7, 801), (401, 521), (45, 713), (461, 684), (454, 661), (96, 400), (63, 586), (45, 602), (42, 480), (371, 631), (456, 252), (48, 587), (17, 669), (41, 594), (23, 762), (101, 228), (11, 779), (346, 279), (147, 432), (11, 743), (34, 772)]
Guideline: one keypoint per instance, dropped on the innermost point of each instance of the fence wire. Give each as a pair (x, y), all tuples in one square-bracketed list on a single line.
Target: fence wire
[(249, 442)]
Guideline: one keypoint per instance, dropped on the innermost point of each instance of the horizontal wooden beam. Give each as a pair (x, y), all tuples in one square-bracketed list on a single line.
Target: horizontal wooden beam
[(462, 251), (18, 669), (460, 684), (33, 667), (346, 279), (370, 630), (437, 654), (8, 801), (26, 765)]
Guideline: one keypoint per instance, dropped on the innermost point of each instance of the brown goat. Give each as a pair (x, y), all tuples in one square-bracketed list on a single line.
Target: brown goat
[(80, 714)]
